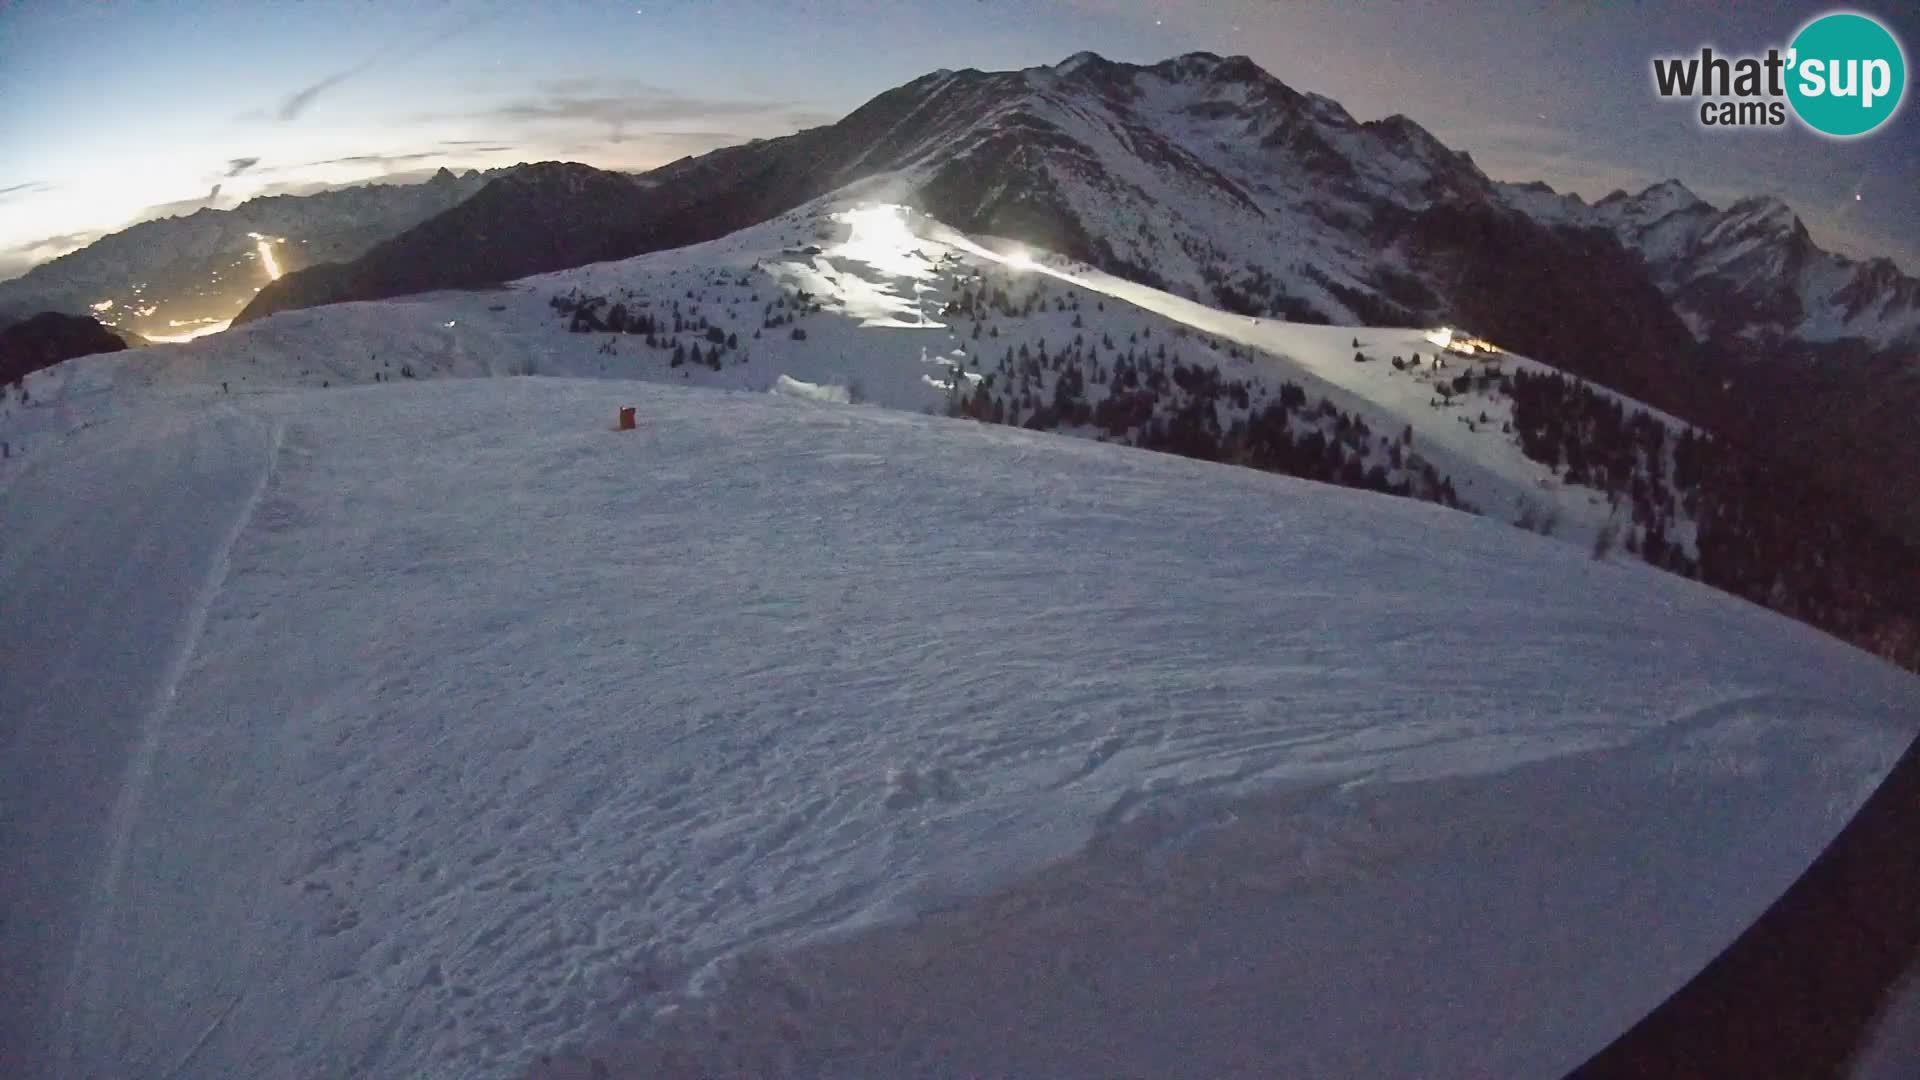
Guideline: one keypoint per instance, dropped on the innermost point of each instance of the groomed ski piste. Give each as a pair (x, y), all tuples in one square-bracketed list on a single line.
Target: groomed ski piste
[(438, 729)]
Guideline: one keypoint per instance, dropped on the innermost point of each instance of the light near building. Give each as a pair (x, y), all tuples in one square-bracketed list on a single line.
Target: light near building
[(1465, 344)]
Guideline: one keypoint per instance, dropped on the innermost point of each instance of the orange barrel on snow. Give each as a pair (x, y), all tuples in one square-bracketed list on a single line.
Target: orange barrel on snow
[(626, 418)]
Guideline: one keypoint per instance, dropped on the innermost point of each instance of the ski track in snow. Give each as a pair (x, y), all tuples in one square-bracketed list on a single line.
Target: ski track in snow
[(127, 805), (504, 730), (100, 560)]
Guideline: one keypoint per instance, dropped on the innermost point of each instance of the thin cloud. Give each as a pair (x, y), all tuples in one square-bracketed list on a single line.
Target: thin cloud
[(382, 160), (391, 161), (450, 152), (626, 108), (20, 258), (315, 187), (31, 187), (58, 241), (640, 152), (302, 99), (236, 166)]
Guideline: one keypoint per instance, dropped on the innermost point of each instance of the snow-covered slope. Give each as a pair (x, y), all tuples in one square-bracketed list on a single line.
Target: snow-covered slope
[(862, 295), (459, 727)]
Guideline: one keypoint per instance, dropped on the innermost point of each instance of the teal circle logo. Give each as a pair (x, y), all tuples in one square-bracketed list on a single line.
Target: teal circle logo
[(1846, 75)]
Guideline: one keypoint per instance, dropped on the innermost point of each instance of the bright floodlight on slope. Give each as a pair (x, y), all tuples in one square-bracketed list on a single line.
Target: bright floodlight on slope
[(1019, 259), (882, 237), (882, 227), (264, 246)]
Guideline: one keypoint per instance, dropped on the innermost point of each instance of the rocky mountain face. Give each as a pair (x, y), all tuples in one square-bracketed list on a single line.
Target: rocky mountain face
[(170, 276), (1207, 176), (1750, 273)]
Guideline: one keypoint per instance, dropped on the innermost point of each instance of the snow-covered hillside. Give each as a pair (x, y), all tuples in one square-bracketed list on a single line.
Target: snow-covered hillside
[(424, 729), (858, 294)]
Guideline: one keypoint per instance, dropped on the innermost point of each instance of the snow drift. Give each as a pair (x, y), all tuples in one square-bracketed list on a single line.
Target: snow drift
[(787, 386), (457, 730)]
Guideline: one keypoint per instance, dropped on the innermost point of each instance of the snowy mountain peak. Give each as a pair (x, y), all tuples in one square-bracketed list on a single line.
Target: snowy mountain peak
[(1228, 164), (1400, 132), (1766, 212), (1751, 271), (1194, 67), (1078, 61), (1651, 205), (1218, 69), (1239, 80), (1197, 64), (1670, 189), (1199, 70)]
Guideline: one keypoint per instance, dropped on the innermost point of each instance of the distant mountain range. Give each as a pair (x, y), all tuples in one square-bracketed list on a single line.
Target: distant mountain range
[(1748, 273), (174, 276), (1208, 177), (1202, 174)]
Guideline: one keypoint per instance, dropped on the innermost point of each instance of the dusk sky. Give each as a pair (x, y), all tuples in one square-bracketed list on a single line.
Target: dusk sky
[(116, 112)]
